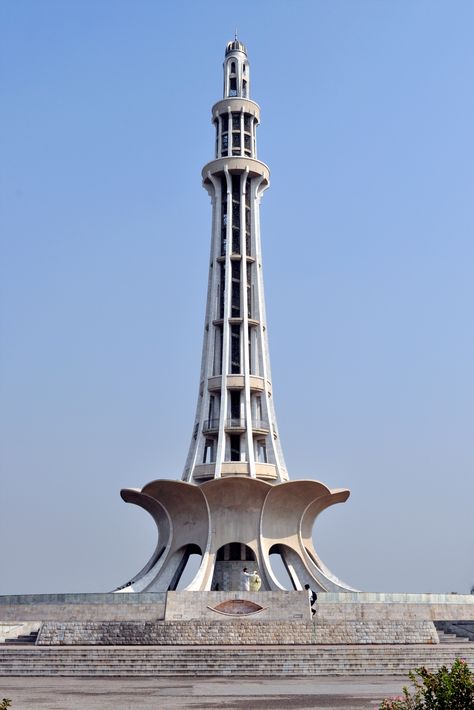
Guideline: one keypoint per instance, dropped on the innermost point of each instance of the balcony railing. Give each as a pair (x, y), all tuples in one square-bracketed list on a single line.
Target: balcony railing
[(210, 425), (260, 425), (235, 423)]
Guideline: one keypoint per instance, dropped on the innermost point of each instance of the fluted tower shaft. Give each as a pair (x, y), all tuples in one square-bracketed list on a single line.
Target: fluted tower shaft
[(235, 431)]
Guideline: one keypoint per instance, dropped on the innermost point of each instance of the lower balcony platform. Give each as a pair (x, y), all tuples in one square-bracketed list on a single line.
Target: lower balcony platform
[(206, 471)]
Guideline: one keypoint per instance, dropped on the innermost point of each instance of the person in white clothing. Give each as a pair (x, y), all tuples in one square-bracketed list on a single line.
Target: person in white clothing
[(246, 580)]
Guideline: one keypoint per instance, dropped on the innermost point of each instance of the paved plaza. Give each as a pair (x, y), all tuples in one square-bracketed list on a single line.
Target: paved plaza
[(225, 693)]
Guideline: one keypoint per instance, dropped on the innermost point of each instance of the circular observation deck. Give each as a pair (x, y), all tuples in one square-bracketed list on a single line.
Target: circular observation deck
[(237, 164)]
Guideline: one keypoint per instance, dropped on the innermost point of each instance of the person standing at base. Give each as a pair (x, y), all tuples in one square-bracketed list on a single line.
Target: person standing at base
[(312, 597), (246, 579), (255, 581)]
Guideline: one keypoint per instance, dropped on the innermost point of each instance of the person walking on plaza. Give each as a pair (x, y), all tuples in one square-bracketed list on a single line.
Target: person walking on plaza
[(312, 597)]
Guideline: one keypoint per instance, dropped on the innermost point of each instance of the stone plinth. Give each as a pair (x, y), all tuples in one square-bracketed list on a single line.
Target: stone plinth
[(236, 618), (240, 632), (272, 606)]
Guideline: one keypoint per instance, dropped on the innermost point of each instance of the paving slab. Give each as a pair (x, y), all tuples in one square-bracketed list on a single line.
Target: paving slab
[(230, 693)]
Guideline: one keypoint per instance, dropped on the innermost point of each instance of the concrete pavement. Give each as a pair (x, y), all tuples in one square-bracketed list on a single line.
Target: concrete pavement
[(232, 693)]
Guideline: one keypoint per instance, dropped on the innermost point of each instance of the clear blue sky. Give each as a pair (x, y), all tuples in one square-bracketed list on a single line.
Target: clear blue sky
[(367, 126)]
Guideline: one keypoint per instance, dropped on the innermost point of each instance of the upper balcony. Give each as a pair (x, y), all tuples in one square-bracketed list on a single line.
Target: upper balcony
[(235, 425), (210, 426), (260, 426), (257, 384)]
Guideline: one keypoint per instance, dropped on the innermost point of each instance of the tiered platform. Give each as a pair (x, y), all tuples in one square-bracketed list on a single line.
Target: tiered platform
[(217, 633), (254, 661)]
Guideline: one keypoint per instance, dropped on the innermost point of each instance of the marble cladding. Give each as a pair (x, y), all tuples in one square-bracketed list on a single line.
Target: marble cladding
[(238, 632)]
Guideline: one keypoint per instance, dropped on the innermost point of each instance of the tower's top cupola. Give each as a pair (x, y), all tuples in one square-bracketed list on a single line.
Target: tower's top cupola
[(235, 46), (236, 70)]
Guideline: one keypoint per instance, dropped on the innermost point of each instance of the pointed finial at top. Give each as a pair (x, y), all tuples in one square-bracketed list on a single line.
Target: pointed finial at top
[(235, 34)]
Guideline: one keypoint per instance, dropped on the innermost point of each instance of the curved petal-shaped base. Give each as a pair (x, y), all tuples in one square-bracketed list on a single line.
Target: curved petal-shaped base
[(235, 513)]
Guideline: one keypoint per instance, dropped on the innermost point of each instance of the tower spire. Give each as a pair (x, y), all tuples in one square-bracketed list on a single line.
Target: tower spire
[(235, 430)]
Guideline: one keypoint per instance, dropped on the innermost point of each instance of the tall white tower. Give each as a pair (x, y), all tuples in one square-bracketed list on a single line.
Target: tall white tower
[(235, 504), (235, 430)]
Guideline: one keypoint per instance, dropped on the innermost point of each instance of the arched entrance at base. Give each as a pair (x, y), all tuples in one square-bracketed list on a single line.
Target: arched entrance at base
[(230, 561)]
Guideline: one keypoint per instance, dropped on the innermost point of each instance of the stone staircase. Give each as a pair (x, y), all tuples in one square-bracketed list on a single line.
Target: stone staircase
[(452, 631), (451, 637), (254, 661), (23, 638)]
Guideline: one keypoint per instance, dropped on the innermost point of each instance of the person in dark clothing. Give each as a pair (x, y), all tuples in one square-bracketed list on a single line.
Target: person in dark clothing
[(312, 597)]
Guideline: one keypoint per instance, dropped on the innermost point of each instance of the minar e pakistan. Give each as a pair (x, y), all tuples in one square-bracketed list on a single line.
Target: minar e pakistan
[(235, 505), (235, 508)]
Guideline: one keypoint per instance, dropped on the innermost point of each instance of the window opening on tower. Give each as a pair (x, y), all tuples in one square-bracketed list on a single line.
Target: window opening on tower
[(235, 408), (236, 214), (235, 289), (235, 349), (261, 451), (236, 187), (222, 291), (209, 451), (225, 135), (233, 86), (213, 416), (248, 243), (251, 368), (247, 221), (247, 198), (223, 216), (234, 440), (249, 290), (217, 364), (236, 134)]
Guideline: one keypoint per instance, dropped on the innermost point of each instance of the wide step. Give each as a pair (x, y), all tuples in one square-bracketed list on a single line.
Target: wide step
[(23, 638), (220, 661), (451, 637)]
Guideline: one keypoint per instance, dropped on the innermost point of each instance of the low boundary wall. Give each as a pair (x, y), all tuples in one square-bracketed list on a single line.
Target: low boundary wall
[(82, 607)]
